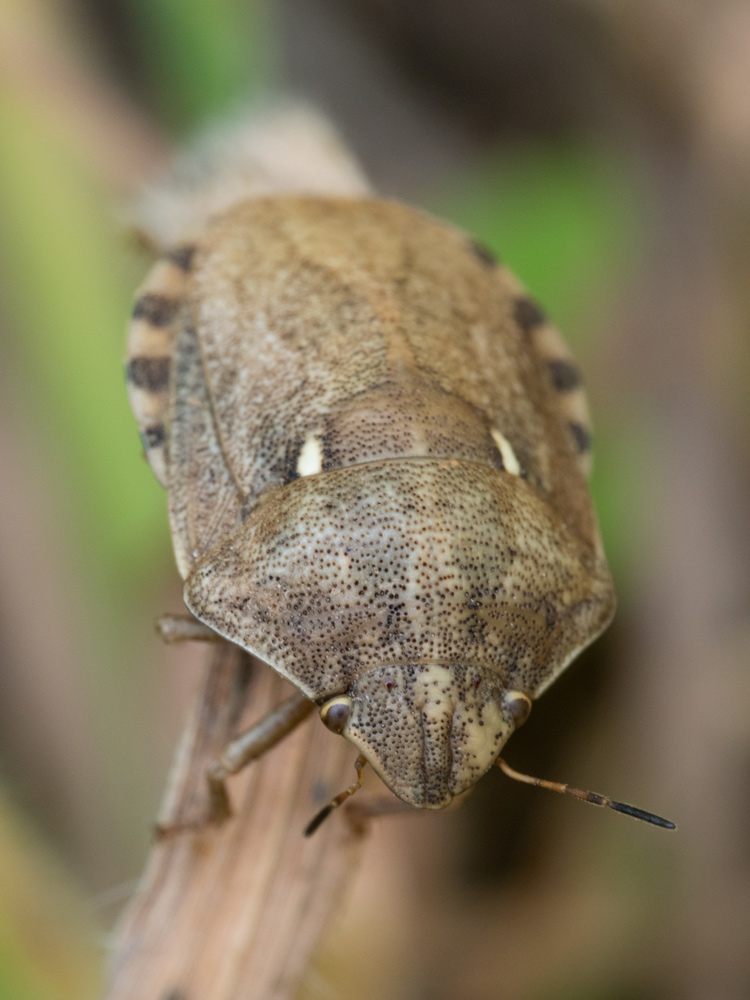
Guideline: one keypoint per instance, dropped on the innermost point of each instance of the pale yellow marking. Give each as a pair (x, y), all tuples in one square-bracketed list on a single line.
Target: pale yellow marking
[(549, 343), (148, 406), (310, 461), (479, 748), (431, 685), (145, 340), (509, 456)]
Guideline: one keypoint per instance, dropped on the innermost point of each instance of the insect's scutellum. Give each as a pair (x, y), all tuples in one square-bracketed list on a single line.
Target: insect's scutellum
[(376, 447)]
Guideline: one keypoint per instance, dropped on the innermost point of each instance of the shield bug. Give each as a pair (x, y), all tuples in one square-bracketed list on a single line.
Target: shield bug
[(376, 451)]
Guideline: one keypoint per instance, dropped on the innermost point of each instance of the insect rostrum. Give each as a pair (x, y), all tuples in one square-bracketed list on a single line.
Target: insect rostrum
[(375, 448)]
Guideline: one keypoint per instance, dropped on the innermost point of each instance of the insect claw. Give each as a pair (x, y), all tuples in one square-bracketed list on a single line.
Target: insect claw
[(162, 832), (220, 807)]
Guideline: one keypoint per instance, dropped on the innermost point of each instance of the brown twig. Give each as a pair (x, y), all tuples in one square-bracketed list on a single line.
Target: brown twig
[(234, 913)]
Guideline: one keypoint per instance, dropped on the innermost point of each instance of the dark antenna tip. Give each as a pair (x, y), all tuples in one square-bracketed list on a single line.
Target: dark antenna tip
[(317, 820), (647, 817), (593, 798)]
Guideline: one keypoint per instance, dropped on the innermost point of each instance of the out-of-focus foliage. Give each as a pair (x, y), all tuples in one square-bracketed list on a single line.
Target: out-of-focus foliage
[(68, 287), (47, 949), (564, 217), (199, 59)]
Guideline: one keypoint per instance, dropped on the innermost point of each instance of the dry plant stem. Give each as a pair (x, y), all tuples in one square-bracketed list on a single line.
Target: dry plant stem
[(250, 746), (234, 912)]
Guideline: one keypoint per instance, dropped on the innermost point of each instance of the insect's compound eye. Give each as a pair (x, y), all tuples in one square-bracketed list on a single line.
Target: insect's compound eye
[(336, 713), (519, 705)]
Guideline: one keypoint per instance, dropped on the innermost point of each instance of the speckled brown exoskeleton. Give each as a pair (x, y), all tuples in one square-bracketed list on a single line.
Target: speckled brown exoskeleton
[(376, 449)]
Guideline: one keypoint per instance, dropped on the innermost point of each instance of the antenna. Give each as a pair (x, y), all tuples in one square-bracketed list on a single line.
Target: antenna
[(335, 802), (592, 797)]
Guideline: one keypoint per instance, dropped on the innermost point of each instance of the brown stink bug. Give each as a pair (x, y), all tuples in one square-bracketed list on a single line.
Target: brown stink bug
[(376, 450)]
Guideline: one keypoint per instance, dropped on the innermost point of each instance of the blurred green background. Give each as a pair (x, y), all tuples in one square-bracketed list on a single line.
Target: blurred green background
[(603, 150)]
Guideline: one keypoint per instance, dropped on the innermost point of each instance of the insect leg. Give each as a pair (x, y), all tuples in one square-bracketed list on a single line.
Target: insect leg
[(185, 628), (248, 747)]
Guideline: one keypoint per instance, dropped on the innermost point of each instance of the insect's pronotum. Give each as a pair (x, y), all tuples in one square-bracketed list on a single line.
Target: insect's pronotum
[(376, 449)]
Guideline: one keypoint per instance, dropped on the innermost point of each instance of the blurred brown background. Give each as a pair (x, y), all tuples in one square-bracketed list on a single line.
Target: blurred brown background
[(603, 150)]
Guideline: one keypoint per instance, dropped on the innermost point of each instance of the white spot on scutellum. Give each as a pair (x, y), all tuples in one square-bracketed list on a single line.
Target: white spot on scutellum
[(310, 461), (509, 456)]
